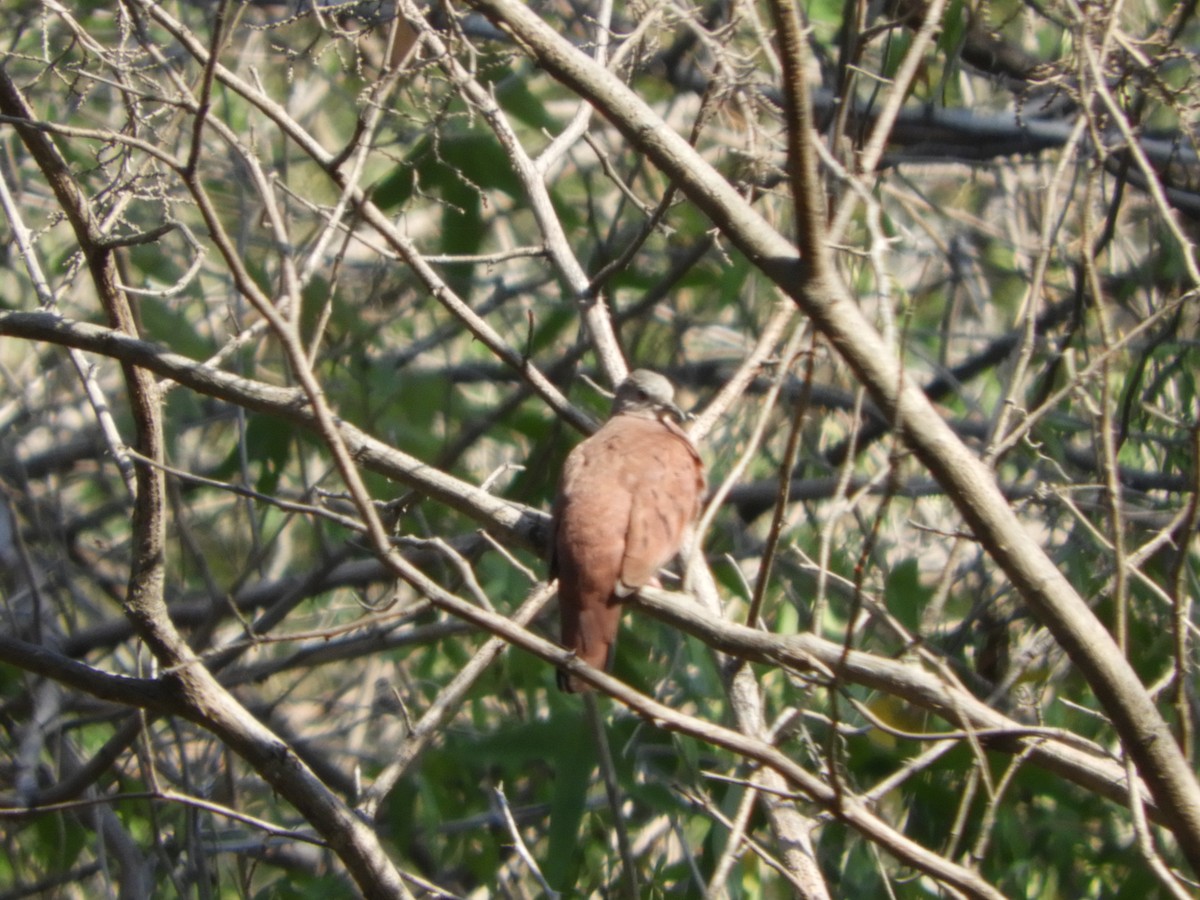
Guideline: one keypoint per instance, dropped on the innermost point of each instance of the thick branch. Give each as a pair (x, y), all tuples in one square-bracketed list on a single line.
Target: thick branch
[(1056, 751), (517, 523)]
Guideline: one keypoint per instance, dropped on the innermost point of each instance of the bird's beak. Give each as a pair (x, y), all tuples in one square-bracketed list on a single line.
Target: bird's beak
[(679, 414)]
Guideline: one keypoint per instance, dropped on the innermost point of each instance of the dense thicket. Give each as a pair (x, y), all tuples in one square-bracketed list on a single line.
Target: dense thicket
[(303, 307)]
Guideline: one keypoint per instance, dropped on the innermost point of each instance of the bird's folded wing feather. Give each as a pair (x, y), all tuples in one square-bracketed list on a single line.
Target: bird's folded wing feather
[(665, 501)]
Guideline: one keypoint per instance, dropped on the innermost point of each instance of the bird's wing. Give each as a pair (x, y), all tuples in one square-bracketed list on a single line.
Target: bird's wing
[(591, 518), (665, 500)]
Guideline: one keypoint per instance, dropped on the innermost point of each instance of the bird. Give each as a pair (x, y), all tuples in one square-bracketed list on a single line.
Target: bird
[(625, 501)]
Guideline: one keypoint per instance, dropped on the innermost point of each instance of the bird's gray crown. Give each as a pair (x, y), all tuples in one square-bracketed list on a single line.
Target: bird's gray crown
[(647, 394)]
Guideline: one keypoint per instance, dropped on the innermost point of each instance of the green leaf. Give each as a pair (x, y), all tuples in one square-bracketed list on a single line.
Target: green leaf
[(954, 26), (60, 839), (897, 47), (470, 160), (906, 596), (573, 756), (167, 322), (299, 886), (521, 103), (268, 445), (395, 188)]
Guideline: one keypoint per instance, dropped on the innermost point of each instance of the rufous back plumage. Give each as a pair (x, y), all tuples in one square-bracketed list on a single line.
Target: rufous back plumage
[(625, 500)]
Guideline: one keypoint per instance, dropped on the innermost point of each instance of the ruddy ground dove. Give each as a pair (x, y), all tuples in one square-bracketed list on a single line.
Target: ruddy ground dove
[(625, 501)]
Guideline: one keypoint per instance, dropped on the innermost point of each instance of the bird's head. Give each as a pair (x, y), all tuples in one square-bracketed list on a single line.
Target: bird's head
[(646, 394)]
